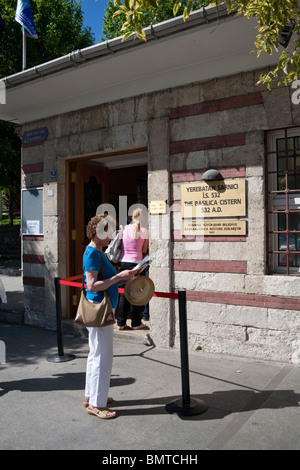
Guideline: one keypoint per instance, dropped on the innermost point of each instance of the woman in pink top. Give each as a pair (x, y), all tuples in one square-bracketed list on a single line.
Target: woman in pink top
[(134, 247)]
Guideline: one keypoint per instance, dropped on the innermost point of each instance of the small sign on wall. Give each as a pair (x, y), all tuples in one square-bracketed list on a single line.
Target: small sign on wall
[(210, 227), (32, 227), (35, 135), (157, 207)]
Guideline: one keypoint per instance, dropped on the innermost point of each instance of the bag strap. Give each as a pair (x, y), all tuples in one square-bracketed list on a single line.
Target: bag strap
[(103, 269), (103, 276)]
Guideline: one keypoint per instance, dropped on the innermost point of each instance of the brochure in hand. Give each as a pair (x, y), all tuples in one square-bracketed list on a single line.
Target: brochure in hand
[(143, 264), (139, 267)]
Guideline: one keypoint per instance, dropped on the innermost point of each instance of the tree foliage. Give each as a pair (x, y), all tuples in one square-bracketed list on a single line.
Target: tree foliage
[(272, 17), (10, 166), (59, 25), (115, 24)]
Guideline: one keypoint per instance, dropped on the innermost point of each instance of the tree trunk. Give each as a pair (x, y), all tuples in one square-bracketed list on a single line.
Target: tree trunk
[(10, 208)]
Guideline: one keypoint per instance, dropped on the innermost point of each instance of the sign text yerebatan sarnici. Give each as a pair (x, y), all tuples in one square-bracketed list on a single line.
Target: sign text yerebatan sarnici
[(201, 201)]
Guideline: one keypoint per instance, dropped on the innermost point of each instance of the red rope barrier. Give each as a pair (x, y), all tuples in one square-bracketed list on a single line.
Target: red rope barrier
[(65, 282), (69, 282)]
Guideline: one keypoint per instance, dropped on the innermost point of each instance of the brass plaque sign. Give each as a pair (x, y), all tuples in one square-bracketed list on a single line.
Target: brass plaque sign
[(213, 227), (157, 207), (226, 198)]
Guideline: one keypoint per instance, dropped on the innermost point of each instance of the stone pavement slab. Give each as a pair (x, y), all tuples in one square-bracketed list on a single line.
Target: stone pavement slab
[(252, 405)]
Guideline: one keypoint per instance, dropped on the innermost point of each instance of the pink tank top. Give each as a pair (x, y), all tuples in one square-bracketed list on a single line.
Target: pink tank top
[(132, 248)]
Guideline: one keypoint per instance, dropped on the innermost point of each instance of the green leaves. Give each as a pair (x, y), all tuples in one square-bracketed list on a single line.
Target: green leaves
[(177, 6), (271, 15), (137, 14), (133, 17), (59, 25)]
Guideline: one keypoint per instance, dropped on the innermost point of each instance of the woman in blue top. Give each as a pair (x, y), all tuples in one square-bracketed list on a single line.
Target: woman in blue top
[(99, 362)]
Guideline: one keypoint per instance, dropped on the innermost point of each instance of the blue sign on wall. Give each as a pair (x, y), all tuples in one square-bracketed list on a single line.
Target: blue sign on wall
[(36, 135)]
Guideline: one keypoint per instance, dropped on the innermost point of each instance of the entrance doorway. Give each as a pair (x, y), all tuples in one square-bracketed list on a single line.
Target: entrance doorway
[(90, 183)]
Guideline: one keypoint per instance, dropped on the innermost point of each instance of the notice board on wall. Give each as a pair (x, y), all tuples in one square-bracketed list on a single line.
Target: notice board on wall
[(32, 211), (207, 206), (216, 199)]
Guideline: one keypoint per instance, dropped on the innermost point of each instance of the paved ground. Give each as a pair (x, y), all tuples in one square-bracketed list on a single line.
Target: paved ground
[(251, 404)]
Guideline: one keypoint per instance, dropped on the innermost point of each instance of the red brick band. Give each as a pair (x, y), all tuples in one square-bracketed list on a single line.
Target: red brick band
[(250, 300), (217, 105), (205, 143), (210, 266)]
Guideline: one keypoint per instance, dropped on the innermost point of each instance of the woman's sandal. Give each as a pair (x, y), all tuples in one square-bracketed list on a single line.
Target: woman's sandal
[(124, 328), (142, 326), (103, 413), (87, 401)]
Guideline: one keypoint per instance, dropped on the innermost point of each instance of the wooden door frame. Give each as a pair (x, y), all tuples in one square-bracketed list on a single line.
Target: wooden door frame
[(83, 172), (70, 164), (78, 171)]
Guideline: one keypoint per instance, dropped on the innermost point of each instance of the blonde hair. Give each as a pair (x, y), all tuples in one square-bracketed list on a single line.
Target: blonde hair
[(136, 217)]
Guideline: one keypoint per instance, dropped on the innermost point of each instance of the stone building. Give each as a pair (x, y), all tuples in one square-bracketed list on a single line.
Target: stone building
[(180, 125)]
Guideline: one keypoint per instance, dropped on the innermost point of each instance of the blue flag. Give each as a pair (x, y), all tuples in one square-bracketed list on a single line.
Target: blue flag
[(25, 18), (1, 23)]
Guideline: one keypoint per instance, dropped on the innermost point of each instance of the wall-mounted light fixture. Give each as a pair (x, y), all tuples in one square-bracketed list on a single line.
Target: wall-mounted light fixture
[(286, 34), (212, 175)]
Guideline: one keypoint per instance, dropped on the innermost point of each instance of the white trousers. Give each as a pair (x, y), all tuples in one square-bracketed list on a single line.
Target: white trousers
[(99, 365)]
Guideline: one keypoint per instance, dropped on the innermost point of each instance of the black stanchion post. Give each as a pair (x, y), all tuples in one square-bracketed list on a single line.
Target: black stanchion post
[(185, 406), (185, 378), (59, 326), (60, 357)]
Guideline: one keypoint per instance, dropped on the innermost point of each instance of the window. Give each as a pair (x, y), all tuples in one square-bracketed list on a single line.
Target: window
[(32, 211), (283, 160)]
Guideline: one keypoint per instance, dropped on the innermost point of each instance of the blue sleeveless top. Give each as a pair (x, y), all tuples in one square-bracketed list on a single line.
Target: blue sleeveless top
[(91, 262)]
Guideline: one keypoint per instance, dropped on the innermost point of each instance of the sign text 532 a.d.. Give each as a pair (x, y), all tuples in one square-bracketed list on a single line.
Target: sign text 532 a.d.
[(225, 198)]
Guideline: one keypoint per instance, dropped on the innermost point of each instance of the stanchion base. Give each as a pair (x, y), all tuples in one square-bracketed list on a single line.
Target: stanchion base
[(64, 358), (195, 407)]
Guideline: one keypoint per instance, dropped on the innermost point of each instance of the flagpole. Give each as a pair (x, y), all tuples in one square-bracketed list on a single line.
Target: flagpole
[(24, 17), (24, 48)]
